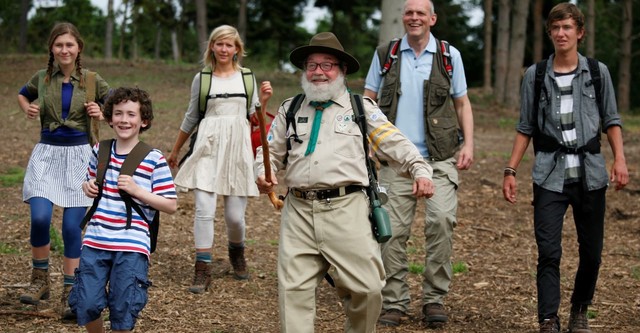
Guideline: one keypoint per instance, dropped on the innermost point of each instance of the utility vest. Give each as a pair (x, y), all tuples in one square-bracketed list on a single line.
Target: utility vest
[(441, 121)]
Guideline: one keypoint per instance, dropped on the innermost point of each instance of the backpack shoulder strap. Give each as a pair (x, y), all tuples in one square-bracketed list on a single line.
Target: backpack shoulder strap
[(387, 55), (248, 79), (205, 86), (90, 86), (129, 166), (596, 80), (134, 158), (290, 118), (445, 48), (541, 69), (104, 155)]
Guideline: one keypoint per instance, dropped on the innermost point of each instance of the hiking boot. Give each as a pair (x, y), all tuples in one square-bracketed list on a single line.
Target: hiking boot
[(434, 315), (39, 287), (236, 256), (391, 317), (578, 322), (64, 304), (202, 278), (550, 326)]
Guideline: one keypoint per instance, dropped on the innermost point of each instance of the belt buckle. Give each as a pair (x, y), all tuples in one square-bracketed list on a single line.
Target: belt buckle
[(311, 195)]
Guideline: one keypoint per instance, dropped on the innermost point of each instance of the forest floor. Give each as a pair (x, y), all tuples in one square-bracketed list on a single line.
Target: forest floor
[(493, 239)]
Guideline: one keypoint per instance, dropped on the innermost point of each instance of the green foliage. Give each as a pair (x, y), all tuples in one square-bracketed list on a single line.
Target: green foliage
[(7, 249), (635, 272), (460, 267), (12, 177), (57, 245), (416, 268), (592, 314)]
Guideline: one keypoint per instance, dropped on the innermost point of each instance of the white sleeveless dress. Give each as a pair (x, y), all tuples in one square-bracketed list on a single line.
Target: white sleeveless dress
[(222, 158)]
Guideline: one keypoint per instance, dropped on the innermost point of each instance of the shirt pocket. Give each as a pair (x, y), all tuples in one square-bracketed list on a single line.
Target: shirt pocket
[(590, 114), (347, 140)]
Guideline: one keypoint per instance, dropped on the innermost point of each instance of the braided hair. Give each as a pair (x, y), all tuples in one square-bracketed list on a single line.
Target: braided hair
[(58, 30)]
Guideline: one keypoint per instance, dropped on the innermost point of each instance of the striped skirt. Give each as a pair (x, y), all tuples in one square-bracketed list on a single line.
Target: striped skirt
[(56, 173)]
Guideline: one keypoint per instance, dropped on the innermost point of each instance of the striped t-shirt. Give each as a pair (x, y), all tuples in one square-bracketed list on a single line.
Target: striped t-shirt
[(568, 125), (106, 229)]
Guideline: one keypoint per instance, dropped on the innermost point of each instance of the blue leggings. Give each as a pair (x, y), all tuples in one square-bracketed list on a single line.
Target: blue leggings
[(41, 213)]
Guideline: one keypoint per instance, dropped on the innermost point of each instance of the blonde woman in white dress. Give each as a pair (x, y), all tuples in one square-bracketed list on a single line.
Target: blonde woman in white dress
[(221, 162)]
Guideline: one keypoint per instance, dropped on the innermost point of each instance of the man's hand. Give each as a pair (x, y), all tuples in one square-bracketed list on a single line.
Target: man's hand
[(619, 174), (465, 158), (264, 186), (509, 189), (423, 187)]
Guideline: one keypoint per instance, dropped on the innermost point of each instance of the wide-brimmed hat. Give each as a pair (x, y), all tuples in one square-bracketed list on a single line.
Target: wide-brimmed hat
[(324, 42)]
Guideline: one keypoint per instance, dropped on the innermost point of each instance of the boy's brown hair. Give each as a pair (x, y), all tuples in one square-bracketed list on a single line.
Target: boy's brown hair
[(137, 95), (565, 11)]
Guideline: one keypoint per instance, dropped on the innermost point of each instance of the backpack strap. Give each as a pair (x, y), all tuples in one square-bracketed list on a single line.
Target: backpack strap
[(294, 106), (390, 52), (446, 57), (248, 79), (596, 80), (90, 88), (205, 86), (129, 166), (104, 155)]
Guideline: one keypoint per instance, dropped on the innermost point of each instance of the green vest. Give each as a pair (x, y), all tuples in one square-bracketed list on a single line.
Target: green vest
[(441, 120), (50, 99)]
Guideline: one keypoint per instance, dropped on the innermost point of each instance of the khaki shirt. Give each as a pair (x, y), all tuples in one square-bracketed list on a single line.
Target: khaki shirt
[(339, 157)]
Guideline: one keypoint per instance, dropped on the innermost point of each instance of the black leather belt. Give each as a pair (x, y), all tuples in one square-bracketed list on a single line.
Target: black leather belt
[(326, 193)]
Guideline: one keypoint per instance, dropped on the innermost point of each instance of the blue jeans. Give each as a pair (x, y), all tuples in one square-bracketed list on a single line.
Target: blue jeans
[(548, 215), (126, 275)]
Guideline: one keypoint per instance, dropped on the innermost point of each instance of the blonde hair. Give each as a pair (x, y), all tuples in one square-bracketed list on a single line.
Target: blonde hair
[(224, 32)]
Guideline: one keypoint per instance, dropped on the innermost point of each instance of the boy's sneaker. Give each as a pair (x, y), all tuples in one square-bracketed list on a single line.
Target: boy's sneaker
[(550, 326), (434, 315), (391, 317)]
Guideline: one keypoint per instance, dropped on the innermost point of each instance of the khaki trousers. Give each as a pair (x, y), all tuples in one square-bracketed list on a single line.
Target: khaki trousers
[(440, 221), (316, 235)]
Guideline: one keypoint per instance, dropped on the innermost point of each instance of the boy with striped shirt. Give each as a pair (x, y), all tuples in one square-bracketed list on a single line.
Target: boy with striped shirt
[(112, 253)]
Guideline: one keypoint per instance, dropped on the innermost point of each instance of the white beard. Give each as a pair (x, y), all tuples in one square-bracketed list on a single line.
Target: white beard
[(323, 91)]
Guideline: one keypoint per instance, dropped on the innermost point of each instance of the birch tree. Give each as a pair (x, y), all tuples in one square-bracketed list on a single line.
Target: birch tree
[(391, 21)]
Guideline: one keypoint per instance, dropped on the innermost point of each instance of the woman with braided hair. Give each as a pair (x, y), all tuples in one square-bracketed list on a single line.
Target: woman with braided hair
[(63, 97)]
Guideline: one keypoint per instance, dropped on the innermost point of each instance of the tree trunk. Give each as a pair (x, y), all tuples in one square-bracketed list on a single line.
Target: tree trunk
[(591, 29), (502, 49), (175, 48), (133, 27), (25, 6), (539, 30), (624, 71), (242, 20), (122, 29), (516, 54), (201, 25), (156, 47), (391, 21), (488, 45), (108, 35)]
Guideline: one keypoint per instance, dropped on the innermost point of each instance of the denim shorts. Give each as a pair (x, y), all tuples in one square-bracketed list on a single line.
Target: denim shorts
[(126, 275)]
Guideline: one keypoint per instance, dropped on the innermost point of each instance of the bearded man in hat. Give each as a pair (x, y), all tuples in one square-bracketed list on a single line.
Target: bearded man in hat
[(324, 221)]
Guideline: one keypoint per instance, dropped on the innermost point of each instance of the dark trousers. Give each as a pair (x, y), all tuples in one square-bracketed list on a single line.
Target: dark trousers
[(548, 215)]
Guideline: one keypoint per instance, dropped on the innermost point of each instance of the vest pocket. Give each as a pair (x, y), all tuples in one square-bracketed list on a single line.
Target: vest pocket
[(443, 137)]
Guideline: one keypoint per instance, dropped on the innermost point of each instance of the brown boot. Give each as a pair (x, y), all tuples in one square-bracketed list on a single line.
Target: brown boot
[(64, 304), (578, 322), (435, 315), (39, 287), (202, 278), (236, 256)]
